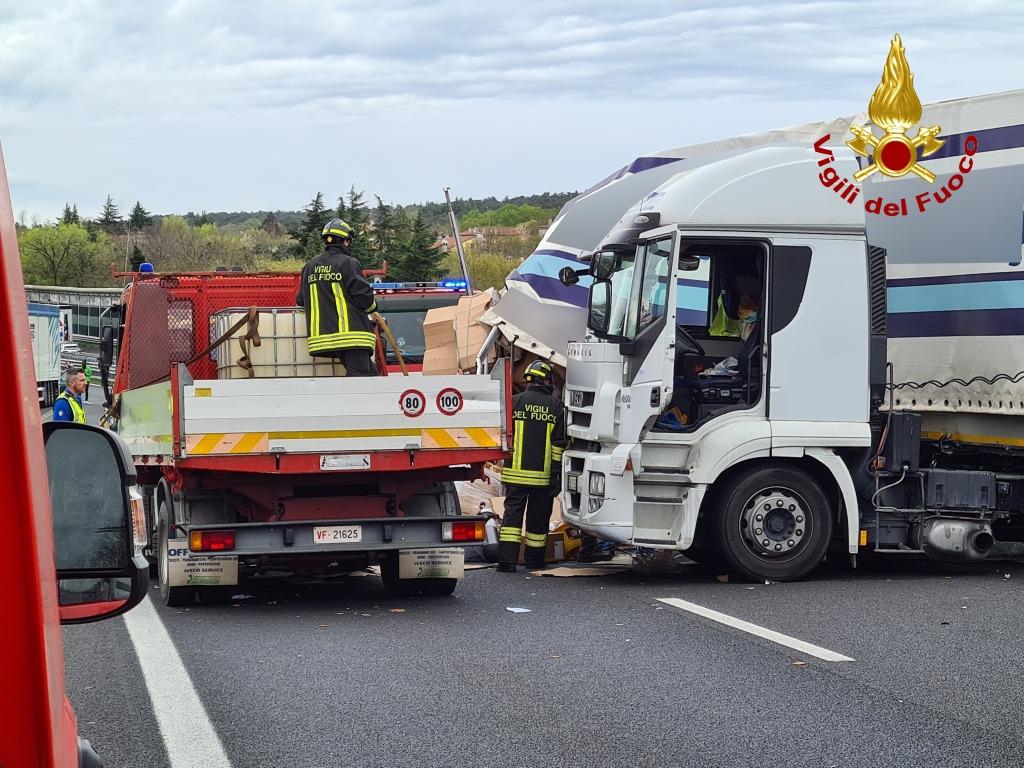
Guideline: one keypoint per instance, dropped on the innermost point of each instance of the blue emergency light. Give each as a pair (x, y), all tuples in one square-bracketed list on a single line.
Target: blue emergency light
[(146, 268), (454, 284)]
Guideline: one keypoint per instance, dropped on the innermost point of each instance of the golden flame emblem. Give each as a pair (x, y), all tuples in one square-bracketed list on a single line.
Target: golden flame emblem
[(895, 108)]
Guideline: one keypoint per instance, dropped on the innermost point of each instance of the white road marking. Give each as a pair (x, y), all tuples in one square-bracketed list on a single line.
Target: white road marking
[(188, 735), (768, 634)]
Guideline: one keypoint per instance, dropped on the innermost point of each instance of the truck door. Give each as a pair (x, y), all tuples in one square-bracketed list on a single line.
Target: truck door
[(648, 330)]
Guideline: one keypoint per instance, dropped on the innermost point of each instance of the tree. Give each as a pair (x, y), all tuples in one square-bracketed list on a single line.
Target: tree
[(272, 226), (341, 208), (110, 220), (137, 258), (65, 254), (176, 246), (486, 270), (307, 233), (359, 220), (418, 258), (139, 218), (383, 231), (70, 215)]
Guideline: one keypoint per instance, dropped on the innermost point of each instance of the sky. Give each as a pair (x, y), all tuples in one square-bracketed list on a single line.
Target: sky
[(219, 105)]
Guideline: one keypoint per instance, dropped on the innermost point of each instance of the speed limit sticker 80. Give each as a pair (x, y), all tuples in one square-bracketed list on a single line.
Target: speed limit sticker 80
[(449, 401), (412, 402)]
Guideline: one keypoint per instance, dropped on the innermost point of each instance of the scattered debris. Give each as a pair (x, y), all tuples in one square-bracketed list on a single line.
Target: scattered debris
[(944, 623), (1006, 575), (724, 578), (322, 626), (396, 610), (242, 597), (799, 663), (517, 610)]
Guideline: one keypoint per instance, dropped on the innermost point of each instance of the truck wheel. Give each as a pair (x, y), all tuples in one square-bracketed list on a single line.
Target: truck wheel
[(396, 587), (772, 524), (172, 596)]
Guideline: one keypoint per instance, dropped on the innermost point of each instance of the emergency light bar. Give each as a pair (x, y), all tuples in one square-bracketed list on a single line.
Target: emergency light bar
[(447, 285)]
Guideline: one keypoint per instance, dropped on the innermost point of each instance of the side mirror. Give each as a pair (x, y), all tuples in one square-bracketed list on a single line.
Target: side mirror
[(99, 525), (568, 276), (599, 309), (106, 346), (604, 264), (688, 263)]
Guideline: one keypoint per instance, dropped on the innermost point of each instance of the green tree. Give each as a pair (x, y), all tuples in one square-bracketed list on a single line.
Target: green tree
[(342, 210), (137, 258), (139, 218), (358, 217), (486, 270), (110, 220), (177, 246), (418, 258), (65, 254), (272, 225), (70, 215), (307, 233), (383, 231)]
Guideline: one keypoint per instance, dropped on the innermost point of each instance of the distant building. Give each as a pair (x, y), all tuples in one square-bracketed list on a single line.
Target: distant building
[(86, 306), (446, 243)]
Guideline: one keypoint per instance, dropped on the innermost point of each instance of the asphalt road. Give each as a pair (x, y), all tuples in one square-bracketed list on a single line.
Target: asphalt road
[(598, 673)]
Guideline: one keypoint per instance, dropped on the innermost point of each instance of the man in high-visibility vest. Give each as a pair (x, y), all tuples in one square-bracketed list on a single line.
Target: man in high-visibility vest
[(68, 405), (533, 476), (338, 302)]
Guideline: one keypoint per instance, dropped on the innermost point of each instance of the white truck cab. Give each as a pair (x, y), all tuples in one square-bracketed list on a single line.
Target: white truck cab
[(724, 387)]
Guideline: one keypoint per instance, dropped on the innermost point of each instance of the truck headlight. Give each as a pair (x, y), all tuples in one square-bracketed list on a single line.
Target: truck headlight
[(597, 484)]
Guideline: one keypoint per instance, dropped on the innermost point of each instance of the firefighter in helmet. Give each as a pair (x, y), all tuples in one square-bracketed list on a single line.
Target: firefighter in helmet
[(533, 477), (339, 302)]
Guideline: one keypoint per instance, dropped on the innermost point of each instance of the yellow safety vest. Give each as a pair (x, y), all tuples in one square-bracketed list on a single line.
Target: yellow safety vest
[(77, 411)]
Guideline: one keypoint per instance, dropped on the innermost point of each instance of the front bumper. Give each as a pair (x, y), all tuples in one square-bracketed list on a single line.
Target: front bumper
[(608, 517)]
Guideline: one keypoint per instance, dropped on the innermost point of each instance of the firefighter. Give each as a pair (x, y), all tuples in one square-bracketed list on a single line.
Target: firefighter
[(338, 302), (534, 475)]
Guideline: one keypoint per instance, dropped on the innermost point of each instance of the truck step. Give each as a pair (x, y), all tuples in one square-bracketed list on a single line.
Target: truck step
[(655, 542), (665, 470), (661, 478), (674, 501)]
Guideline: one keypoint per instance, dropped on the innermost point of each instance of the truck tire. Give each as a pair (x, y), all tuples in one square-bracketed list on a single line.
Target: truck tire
[(396, 587), (171, 596), (773, 523)]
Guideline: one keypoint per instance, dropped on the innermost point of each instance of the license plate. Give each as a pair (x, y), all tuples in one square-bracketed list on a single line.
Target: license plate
[(337, 534), (345, 461)]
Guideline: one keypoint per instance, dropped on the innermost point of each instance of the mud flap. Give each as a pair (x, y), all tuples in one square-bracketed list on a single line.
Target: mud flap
[(185, 569), (431, 563)]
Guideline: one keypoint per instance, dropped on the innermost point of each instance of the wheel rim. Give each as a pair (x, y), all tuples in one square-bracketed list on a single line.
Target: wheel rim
[(161, 559), (775, 523)]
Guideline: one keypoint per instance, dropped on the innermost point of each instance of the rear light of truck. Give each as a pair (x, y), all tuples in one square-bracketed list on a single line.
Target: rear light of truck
[(211, 541), (463, 530)]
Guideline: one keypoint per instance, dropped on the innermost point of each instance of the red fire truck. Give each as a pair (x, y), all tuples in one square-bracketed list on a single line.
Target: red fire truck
[(73, 536), (248, 470)]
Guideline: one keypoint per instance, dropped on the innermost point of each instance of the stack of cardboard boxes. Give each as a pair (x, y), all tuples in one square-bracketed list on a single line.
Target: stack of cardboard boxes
[(453, 336)]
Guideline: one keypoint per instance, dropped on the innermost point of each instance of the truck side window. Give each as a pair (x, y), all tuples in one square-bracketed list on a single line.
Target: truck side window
[(648, 303)]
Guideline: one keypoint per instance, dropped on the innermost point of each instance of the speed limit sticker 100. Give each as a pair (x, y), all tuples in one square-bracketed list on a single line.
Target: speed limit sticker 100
[(449, 401), (412, 402)]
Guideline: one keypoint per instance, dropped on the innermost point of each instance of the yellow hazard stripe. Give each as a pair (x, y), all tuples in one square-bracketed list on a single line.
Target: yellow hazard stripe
[(248, 442), (463, 437), (207, 443)]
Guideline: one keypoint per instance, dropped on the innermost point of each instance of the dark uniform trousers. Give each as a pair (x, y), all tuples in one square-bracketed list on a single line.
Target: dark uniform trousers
[(536, 504)]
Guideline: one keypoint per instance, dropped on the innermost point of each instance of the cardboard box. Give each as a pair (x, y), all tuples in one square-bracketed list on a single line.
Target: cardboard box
[(560, 546), (469, 334), (438, 327), (440, 361)]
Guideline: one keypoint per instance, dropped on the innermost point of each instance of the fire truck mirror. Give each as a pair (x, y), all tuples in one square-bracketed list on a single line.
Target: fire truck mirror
[(97, 540)]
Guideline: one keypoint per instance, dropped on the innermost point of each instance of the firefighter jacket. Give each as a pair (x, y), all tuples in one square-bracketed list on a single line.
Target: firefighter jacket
[(338, 302), (538, 439)]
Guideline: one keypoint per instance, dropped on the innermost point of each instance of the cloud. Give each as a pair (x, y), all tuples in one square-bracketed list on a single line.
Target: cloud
[(83, 80)]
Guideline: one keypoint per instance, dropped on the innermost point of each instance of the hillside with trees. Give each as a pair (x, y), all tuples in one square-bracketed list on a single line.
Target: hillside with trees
[(78, 251)]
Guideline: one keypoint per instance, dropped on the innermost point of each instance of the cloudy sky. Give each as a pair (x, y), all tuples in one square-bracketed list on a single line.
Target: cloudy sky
[(220, 105)]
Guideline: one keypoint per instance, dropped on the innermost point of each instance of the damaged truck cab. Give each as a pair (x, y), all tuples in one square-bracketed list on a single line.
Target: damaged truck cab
[(730, 398)]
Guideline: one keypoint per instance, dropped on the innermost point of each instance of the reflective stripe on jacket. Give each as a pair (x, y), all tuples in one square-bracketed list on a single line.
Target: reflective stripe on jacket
[(538, 438), (338, 302)]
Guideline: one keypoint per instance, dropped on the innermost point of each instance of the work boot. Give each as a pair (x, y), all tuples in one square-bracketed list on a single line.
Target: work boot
[(506, 567)]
